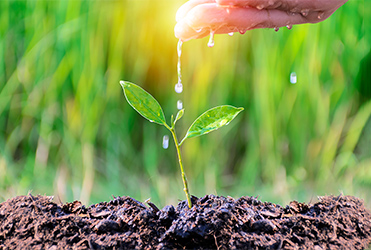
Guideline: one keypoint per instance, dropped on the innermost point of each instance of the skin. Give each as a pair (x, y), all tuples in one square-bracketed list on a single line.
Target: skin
[(196, 18)]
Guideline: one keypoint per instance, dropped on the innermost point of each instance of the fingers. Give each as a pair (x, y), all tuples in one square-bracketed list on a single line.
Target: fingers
[(197, 17), (225, 19)]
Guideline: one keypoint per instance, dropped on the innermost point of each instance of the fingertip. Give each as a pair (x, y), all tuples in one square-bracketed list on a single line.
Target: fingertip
[(178, 30), (185, 33)]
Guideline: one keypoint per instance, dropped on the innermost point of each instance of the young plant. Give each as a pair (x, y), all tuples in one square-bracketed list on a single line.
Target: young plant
[(147, 106)]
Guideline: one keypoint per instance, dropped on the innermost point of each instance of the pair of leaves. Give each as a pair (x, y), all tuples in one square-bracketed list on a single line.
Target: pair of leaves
[(147, 106)]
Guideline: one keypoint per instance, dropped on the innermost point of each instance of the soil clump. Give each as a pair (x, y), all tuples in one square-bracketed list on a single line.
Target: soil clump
[(214, 222)]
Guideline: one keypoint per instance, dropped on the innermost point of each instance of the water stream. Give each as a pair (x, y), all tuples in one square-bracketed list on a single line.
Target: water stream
[(179, 85)]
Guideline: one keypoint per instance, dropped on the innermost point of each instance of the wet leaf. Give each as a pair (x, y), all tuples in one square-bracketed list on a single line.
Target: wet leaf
[(144, 103), (212, 120)]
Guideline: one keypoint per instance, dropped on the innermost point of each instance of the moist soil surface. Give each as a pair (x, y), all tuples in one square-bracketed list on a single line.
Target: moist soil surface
[(214, 222)]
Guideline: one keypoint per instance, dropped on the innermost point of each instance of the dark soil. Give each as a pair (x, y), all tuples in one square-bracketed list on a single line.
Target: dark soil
[(35, 222)]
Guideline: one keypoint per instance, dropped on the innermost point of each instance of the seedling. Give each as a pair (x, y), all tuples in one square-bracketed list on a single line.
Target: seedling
[(148, 107)]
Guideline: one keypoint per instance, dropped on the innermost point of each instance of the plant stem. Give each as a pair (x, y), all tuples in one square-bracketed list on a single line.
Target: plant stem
[(185, 183)]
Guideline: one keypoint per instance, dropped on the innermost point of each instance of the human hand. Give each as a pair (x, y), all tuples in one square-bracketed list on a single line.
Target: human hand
[(197, 18)]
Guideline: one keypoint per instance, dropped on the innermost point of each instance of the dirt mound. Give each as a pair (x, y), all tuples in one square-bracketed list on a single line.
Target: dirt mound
[(35, 222)]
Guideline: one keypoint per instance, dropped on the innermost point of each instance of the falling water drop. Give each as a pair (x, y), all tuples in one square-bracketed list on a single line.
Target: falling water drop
[(211, 40), (165, 141), (276, 29), (289, 26), (293, 78), (179, 104), (179, 87), (230, 33)]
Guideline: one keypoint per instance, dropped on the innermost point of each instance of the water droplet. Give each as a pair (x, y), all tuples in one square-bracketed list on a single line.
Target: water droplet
[(151, 121), (230, 33), (304, 12), (289, 26), (242, 32), (165, 141), (293, 78), (179, 104), (198, 30), (223, 122), (211, 40), (276, 29), (320, 14), (179, 87), (260, 6)]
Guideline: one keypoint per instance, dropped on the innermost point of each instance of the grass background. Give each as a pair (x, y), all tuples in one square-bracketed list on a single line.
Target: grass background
[(66, 129)]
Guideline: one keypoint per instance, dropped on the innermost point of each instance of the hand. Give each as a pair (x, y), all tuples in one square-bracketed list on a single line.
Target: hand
[(196, 18)]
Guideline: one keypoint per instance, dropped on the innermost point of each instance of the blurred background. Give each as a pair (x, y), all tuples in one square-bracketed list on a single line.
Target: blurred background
[(66, 129)]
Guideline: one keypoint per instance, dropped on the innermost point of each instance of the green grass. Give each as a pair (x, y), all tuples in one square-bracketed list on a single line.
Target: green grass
[(66, 130)]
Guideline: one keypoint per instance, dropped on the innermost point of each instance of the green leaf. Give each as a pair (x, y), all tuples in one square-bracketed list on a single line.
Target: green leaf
[(144, 103), (212, 120)]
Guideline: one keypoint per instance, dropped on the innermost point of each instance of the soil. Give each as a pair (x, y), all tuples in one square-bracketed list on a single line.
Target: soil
[(36, 222)]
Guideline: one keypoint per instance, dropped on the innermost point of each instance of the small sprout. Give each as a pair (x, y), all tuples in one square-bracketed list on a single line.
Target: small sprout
[(147, 106)]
